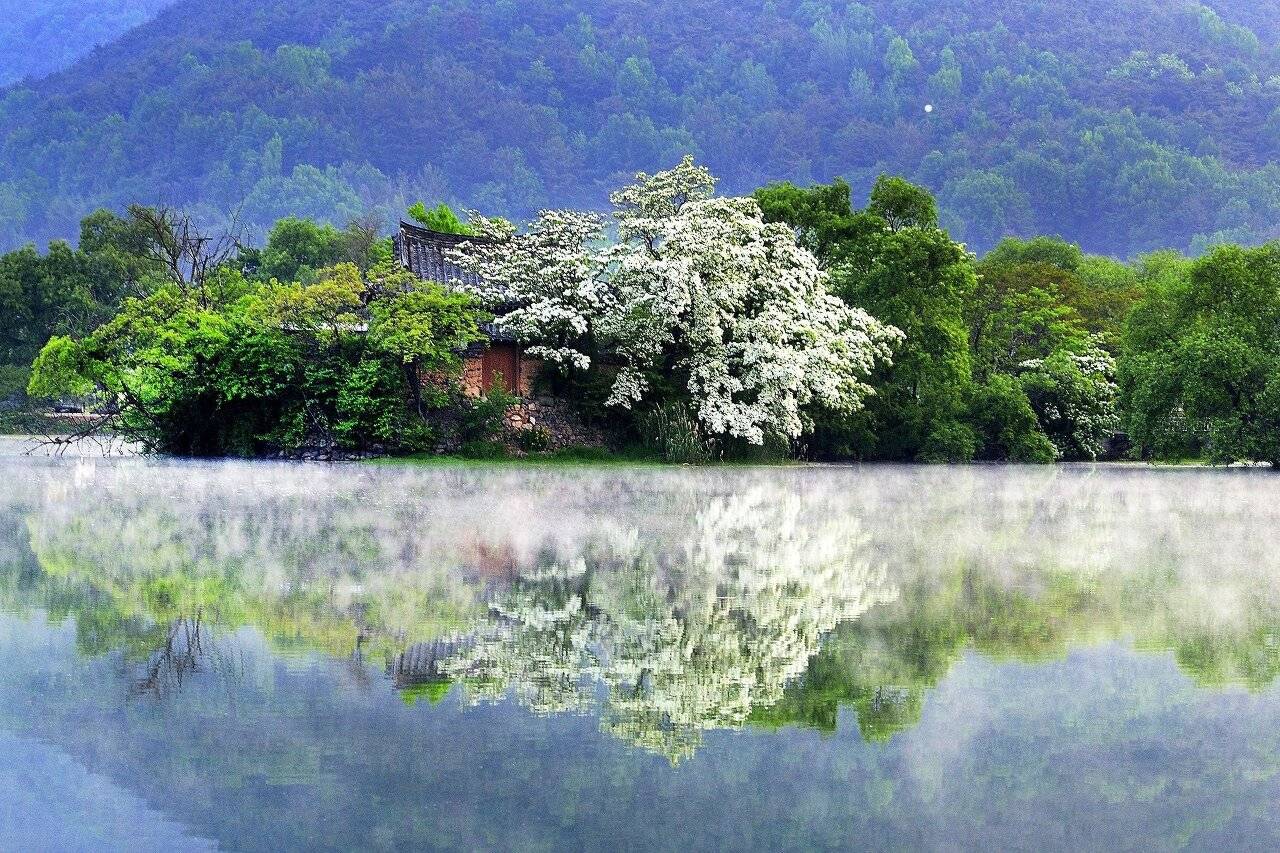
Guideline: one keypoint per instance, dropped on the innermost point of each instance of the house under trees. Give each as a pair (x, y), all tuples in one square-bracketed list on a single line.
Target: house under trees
[(500, 361)]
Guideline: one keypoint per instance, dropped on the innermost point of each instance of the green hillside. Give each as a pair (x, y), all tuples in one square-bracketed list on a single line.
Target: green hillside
[(38, 37), (1124, 125)]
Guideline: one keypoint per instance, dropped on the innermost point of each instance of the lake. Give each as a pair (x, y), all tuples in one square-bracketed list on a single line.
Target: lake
[(270, 656)]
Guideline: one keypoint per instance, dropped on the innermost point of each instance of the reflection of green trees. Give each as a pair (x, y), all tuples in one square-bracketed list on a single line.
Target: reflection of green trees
[(882, 665), (309, 572), (134, 612), (1224, 657), (700, 600)]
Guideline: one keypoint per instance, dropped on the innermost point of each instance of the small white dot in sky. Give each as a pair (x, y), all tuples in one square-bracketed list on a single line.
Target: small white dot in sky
[(928, 108)]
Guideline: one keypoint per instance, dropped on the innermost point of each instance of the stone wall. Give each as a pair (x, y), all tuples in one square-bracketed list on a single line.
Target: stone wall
[(559, 425), (556, 423)]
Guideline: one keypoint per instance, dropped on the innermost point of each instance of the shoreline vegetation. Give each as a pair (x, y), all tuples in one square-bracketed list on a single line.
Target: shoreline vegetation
[(592, 457), (685, 326)]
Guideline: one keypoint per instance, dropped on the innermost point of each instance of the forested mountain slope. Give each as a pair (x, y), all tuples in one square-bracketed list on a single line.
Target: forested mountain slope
[(38, 37), (1125, 125)]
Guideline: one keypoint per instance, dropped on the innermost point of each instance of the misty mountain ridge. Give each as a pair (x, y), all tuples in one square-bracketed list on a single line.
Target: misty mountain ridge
[(1126, 126)]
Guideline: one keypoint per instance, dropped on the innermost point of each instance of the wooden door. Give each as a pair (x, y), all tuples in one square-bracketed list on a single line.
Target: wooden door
[(501, 368)]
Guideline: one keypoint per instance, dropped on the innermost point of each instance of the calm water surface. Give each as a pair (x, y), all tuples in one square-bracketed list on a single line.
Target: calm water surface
[(255, 656)]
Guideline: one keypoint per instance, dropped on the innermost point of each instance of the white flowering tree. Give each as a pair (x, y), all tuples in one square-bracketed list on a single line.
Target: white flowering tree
[(1074, 398), (695, 287), (545, 286)]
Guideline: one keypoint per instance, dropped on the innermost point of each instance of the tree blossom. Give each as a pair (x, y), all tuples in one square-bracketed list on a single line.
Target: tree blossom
[(696, 287), (1074, 396), (759, 585), (543, 286)]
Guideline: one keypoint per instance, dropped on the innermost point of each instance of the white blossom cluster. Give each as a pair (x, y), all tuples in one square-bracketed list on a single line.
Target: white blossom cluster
[(696, 286), (544, 286), (1077, 399), (681, 642)]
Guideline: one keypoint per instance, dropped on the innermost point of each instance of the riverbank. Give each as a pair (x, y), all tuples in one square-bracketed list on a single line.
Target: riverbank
[(26, 422), (18, 443)]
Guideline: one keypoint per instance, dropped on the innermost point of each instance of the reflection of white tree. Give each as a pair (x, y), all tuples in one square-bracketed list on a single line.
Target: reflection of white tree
[(672, 643)]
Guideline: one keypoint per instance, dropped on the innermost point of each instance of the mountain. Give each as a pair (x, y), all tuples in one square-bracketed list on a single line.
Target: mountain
[(38, 37), (1125, 125)]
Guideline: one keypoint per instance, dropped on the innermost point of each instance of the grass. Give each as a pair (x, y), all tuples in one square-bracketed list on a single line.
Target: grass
[(1183, 462), (567, 457)]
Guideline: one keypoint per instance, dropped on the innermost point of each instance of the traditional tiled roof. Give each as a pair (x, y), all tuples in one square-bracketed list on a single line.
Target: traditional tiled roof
[(423, 253)]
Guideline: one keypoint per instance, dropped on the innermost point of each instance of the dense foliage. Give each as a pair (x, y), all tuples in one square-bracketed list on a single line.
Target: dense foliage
[(698, 325), (67, 291), (997, 362), (1202, 372), (1124, 125), (223, 363)]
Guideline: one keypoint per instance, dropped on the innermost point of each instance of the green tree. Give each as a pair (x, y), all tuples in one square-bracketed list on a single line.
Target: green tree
[(946, 81), (242, 367), (421, 327), (1100, 290), (439, 218), (893, 261), (1200, 363), (998, 362), (1023, 325), (907, 271), (985, 206), (822, 215), (902, 204), (899, 59), (296, 248)]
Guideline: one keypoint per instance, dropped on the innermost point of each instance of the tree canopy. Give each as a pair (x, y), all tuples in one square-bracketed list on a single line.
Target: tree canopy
[(1201, 366), (1125, 125), (996, 361)]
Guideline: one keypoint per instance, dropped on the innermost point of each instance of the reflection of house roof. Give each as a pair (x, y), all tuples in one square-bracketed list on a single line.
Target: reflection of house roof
[(422, 252)]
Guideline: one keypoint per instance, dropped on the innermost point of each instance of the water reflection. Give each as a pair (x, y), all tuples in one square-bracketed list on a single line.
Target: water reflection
[(690, 636), (667, 603), (267, 612)]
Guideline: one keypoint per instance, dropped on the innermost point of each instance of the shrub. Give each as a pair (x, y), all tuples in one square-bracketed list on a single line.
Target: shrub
[(483, 450), (534, 440), (671, 431), (1009, 429), (481, 420), (950, 442)]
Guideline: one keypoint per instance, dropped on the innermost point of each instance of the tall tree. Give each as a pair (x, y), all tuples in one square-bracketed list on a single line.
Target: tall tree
[(1200, 365), (697, 287)]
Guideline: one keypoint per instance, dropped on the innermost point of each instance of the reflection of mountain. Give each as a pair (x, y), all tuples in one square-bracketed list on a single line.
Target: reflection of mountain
[(668, 603)]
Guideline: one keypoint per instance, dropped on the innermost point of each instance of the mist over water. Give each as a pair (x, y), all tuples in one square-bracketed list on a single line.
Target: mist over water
[(259, 655)]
